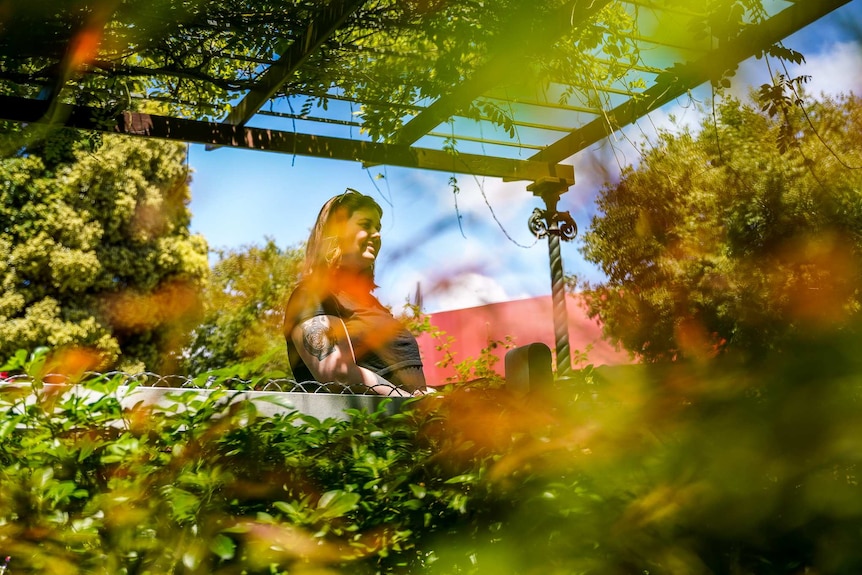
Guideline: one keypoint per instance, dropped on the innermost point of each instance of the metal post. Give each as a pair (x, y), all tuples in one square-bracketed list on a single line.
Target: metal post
[(555, 226)]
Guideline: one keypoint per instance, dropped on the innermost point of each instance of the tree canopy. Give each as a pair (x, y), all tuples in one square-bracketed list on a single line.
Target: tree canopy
[(95, 251), (243, 302), (735, 236), (200, 55)]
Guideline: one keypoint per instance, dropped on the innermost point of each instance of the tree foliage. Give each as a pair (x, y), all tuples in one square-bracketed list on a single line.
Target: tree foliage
[(95, 250), (720, 241), (244, 301), (201, 55), (388, 57), (692, 467)]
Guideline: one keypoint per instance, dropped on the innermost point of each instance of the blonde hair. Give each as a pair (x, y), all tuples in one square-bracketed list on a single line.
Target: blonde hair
[(322, 252)]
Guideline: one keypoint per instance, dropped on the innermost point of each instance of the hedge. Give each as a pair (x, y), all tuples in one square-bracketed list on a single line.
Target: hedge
[(711, 467)]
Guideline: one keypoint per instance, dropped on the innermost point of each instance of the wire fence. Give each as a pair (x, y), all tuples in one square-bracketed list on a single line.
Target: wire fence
[(149, 379)]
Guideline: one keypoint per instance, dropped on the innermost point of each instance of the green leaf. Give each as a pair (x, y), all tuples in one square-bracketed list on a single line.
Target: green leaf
[(336, 503), (466, 478), (16, 362), (223, 546)]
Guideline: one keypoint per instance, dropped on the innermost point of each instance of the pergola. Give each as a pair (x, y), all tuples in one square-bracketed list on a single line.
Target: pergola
[(502, 88)]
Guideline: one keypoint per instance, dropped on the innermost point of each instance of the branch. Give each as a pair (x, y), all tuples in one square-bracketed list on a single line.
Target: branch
[(116, 70)]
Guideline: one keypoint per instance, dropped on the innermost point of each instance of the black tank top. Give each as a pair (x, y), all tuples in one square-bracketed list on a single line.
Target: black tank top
[(380, 342)]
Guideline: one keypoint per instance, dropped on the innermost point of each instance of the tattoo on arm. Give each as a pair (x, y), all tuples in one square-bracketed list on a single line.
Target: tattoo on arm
[(318, 338)]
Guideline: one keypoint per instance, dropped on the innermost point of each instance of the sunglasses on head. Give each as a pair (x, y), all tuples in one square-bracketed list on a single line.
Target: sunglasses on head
[(337, 200), (349, 192)]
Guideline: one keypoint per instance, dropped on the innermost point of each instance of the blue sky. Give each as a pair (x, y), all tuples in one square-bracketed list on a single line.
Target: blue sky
[(241, 197)]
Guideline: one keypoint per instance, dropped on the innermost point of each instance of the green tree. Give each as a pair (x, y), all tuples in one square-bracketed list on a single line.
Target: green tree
[(243, 302), (721, 239), (95, 251)]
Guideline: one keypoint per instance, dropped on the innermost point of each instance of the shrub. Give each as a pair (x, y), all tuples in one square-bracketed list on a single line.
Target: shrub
[(703, 467)]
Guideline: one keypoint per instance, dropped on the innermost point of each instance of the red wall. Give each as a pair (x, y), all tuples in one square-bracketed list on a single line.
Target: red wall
[(527, 320)]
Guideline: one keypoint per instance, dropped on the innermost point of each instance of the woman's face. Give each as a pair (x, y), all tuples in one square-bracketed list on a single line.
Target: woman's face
[(360, 239)]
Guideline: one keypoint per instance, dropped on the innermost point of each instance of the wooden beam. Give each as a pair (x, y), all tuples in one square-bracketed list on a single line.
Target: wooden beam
[(213, 133), (543, 104), (456, 136), (495, 72), (331, 17), (676, 81)]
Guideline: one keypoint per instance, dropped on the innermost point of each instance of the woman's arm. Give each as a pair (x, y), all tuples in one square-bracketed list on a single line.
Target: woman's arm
[(324, 346)]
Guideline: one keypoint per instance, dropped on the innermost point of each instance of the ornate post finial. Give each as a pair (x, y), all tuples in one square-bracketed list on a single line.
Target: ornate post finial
[(542, 223)]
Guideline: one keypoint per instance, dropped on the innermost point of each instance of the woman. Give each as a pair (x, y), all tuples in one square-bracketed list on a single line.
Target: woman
[(336, 331)]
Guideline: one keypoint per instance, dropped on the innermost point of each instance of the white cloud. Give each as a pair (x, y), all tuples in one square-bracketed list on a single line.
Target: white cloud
[(467, 290), (833, 71)]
